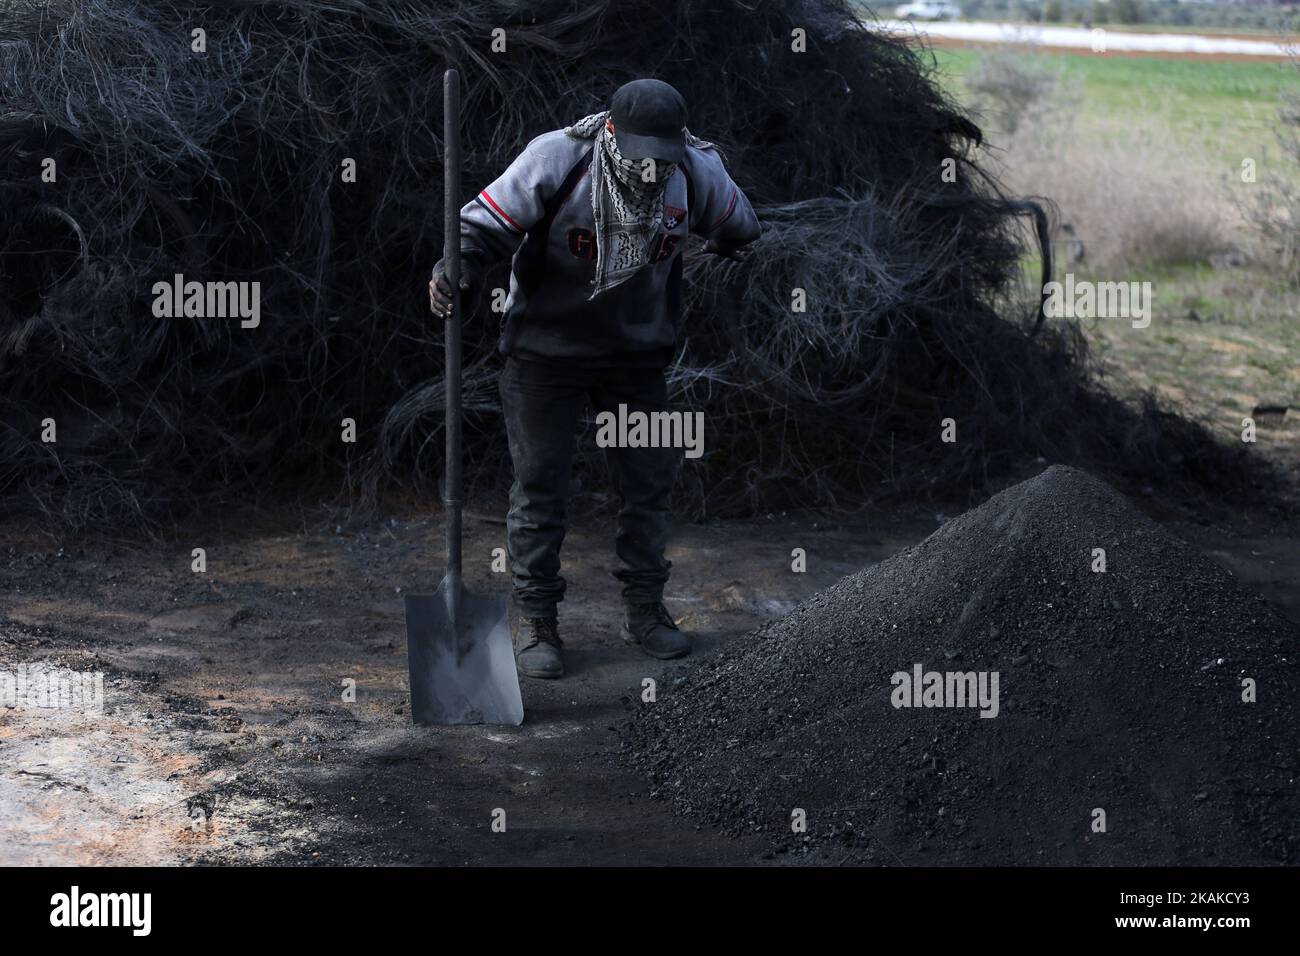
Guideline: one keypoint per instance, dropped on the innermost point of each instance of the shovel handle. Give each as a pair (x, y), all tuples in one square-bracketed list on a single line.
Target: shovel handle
[(452, 485)]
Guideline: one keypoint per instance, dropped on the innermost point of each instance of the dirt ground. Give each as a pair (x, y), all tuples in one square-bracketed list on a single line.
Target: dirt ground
[(226, 737)]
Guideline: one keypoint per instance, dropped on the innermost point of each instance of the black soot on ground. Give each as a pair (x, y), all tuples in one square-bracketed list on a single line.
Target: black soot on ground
[(1121, 730)]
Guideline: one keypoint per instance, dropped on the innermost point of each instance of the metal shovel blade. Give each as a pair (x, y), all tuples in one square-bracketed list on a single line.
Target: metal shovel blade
[(461, 672)]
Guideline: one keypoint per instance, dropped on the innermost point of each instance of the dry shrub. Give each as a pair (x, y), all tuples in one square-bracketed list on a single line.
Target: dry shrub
[(1013, 87), (1276, 210), (1127, 198)]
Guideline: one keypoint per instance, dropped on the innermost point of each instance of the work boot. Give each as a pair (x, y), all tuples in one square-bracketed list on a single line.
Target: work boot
[(537, 647), (651, 626)]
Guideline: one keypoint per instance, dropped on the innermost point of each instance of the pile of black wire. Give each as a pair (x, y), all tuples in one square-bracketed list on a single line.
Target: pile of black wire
[(296, 144)]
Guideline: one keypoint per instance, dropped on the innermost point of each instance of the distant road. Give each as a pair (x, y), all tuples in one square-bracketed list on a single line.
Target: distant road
[(1079, 38)]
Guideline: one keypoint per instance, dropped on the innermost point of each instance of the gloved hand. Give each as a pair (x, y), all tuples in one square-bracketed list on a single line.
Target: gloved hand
[(440, 292), (727, 250)]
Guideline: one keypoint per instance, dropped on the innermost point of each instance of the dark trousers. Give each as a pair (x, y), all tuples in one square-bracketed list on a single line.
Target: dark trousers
[(542, 404)]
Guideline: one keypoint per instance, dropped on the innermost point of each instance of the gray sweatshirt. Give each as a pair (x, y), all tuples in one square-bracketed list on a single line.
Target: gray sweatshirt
[(539, 212)]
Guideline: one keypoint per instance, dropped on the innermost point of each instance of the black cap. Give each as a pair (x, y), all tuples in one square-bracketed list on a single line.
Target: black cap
[(649, 121)]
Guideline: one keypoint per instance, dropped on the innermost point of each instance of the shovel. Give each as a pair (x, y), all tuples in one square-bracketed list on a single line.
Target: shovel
[(458, 649)]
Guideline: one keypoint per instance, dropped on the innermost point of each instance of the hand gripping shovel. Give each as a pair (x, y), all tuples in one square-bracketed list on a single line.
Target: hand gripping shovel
[(458, 650)]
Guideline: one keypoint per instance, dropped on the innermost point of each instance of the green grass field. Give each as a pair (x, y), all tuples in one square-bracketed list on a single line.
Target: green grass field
[(1221, 106)]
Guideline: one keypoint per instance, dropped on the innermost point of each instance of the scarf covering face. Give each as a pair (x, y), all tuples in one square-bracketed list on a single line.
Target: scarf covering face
[(628, 210)]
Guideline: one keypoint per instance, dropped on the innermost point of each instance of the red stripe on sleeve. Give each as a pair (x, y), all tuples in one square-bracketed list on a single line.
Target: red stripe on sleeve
[(505, 215)]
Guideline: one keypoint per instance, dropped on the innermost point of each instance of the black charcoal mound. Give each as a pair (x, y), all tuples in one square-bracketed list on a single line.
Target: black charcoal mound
[(1119, 690)]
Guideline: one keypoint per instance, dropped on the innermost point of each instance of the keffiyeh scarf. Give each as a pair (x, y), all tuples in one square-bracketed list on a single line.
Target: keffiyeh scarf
[(627, 201)]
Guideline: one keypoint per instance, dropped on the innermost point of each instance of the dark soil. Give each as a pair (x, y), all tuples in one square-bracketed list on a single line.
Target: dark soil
[(1120, 691)]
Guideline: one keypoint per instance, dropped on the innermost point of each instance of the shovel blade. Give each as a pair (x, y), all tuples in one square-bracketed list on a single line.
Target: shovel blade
[(461, 672)]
